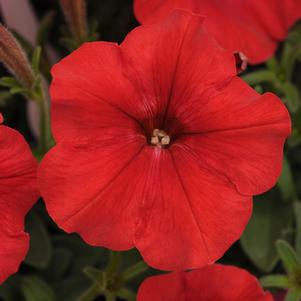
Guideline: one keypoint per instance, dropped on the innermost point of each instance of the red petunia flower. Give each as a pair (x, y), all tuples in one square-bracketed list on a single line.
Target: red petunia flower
[(159, 145), (211, 283), (18, 192), (254, 27)]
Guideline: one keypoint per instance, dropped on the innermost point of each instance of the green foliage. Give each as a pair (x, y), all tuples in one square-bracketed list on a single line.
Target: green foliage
[(291, 96), (9, 82), (36, 58), (286, 182), (69, 289), (40, 251), (15, 86), (292, 265), (271, 218), (278, 281), (297, 211), (293, 295), (35, 289), (82, 254), (289, 258)]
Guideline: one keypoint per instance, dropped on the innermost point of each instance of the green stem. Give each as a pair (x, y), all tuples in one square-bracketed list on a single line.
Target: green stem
[(114, 263), (133, 271), (97, 287), (290, 55), (112, 283), (126, 294), (45, 130), (92, 293)]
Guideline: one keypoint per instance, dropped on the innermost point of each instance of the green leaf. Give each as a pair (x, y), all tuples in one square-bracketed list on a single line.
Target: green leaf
[(15, 86), (6, 293), (60, 262), (273, 65), (135, 270), (286, 182), (36, 57), (9, 82), (290, 52), (90, 294), (20, 90), (295, 138), (292, 96), (95, 275), (126, 294), (294, 36), (10, 289), (293, 295), (277, 281), (288, 234), (270, 218), (288, 256), (69, 289), (259, 77), (83, 255), (259, 89), (40, 249), (297, 211), (35, 289)]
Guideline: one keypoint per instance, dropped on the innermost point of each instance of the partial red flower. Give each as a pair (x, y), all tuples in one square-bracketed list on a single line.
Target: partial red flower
[(18, 192), (211, 283), (159, 145), (253, 27)]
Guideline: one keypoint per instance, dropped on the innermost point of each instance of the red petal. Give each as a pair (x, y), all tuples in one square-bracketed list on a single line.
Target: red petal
[(187, 222), (253, 27), (91, 90), (241, 136), (18, 190), (160, 9), (95, 181), (167, 287), (174, 57), (214, 282)]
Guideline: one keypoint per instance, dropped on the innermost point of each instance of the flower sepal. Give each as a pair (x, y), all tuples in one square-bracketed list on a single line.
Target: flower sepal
[(292, 265), (112, 282)]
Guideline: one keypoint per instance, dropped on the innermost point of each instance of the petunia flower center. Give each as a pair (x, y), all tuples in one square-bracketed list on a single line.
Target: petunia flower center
[(160, 138)]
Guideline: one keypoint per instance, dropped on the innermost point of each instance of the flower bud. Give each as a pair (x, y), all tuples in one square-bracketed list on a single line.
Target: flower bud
[(14, 58)]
